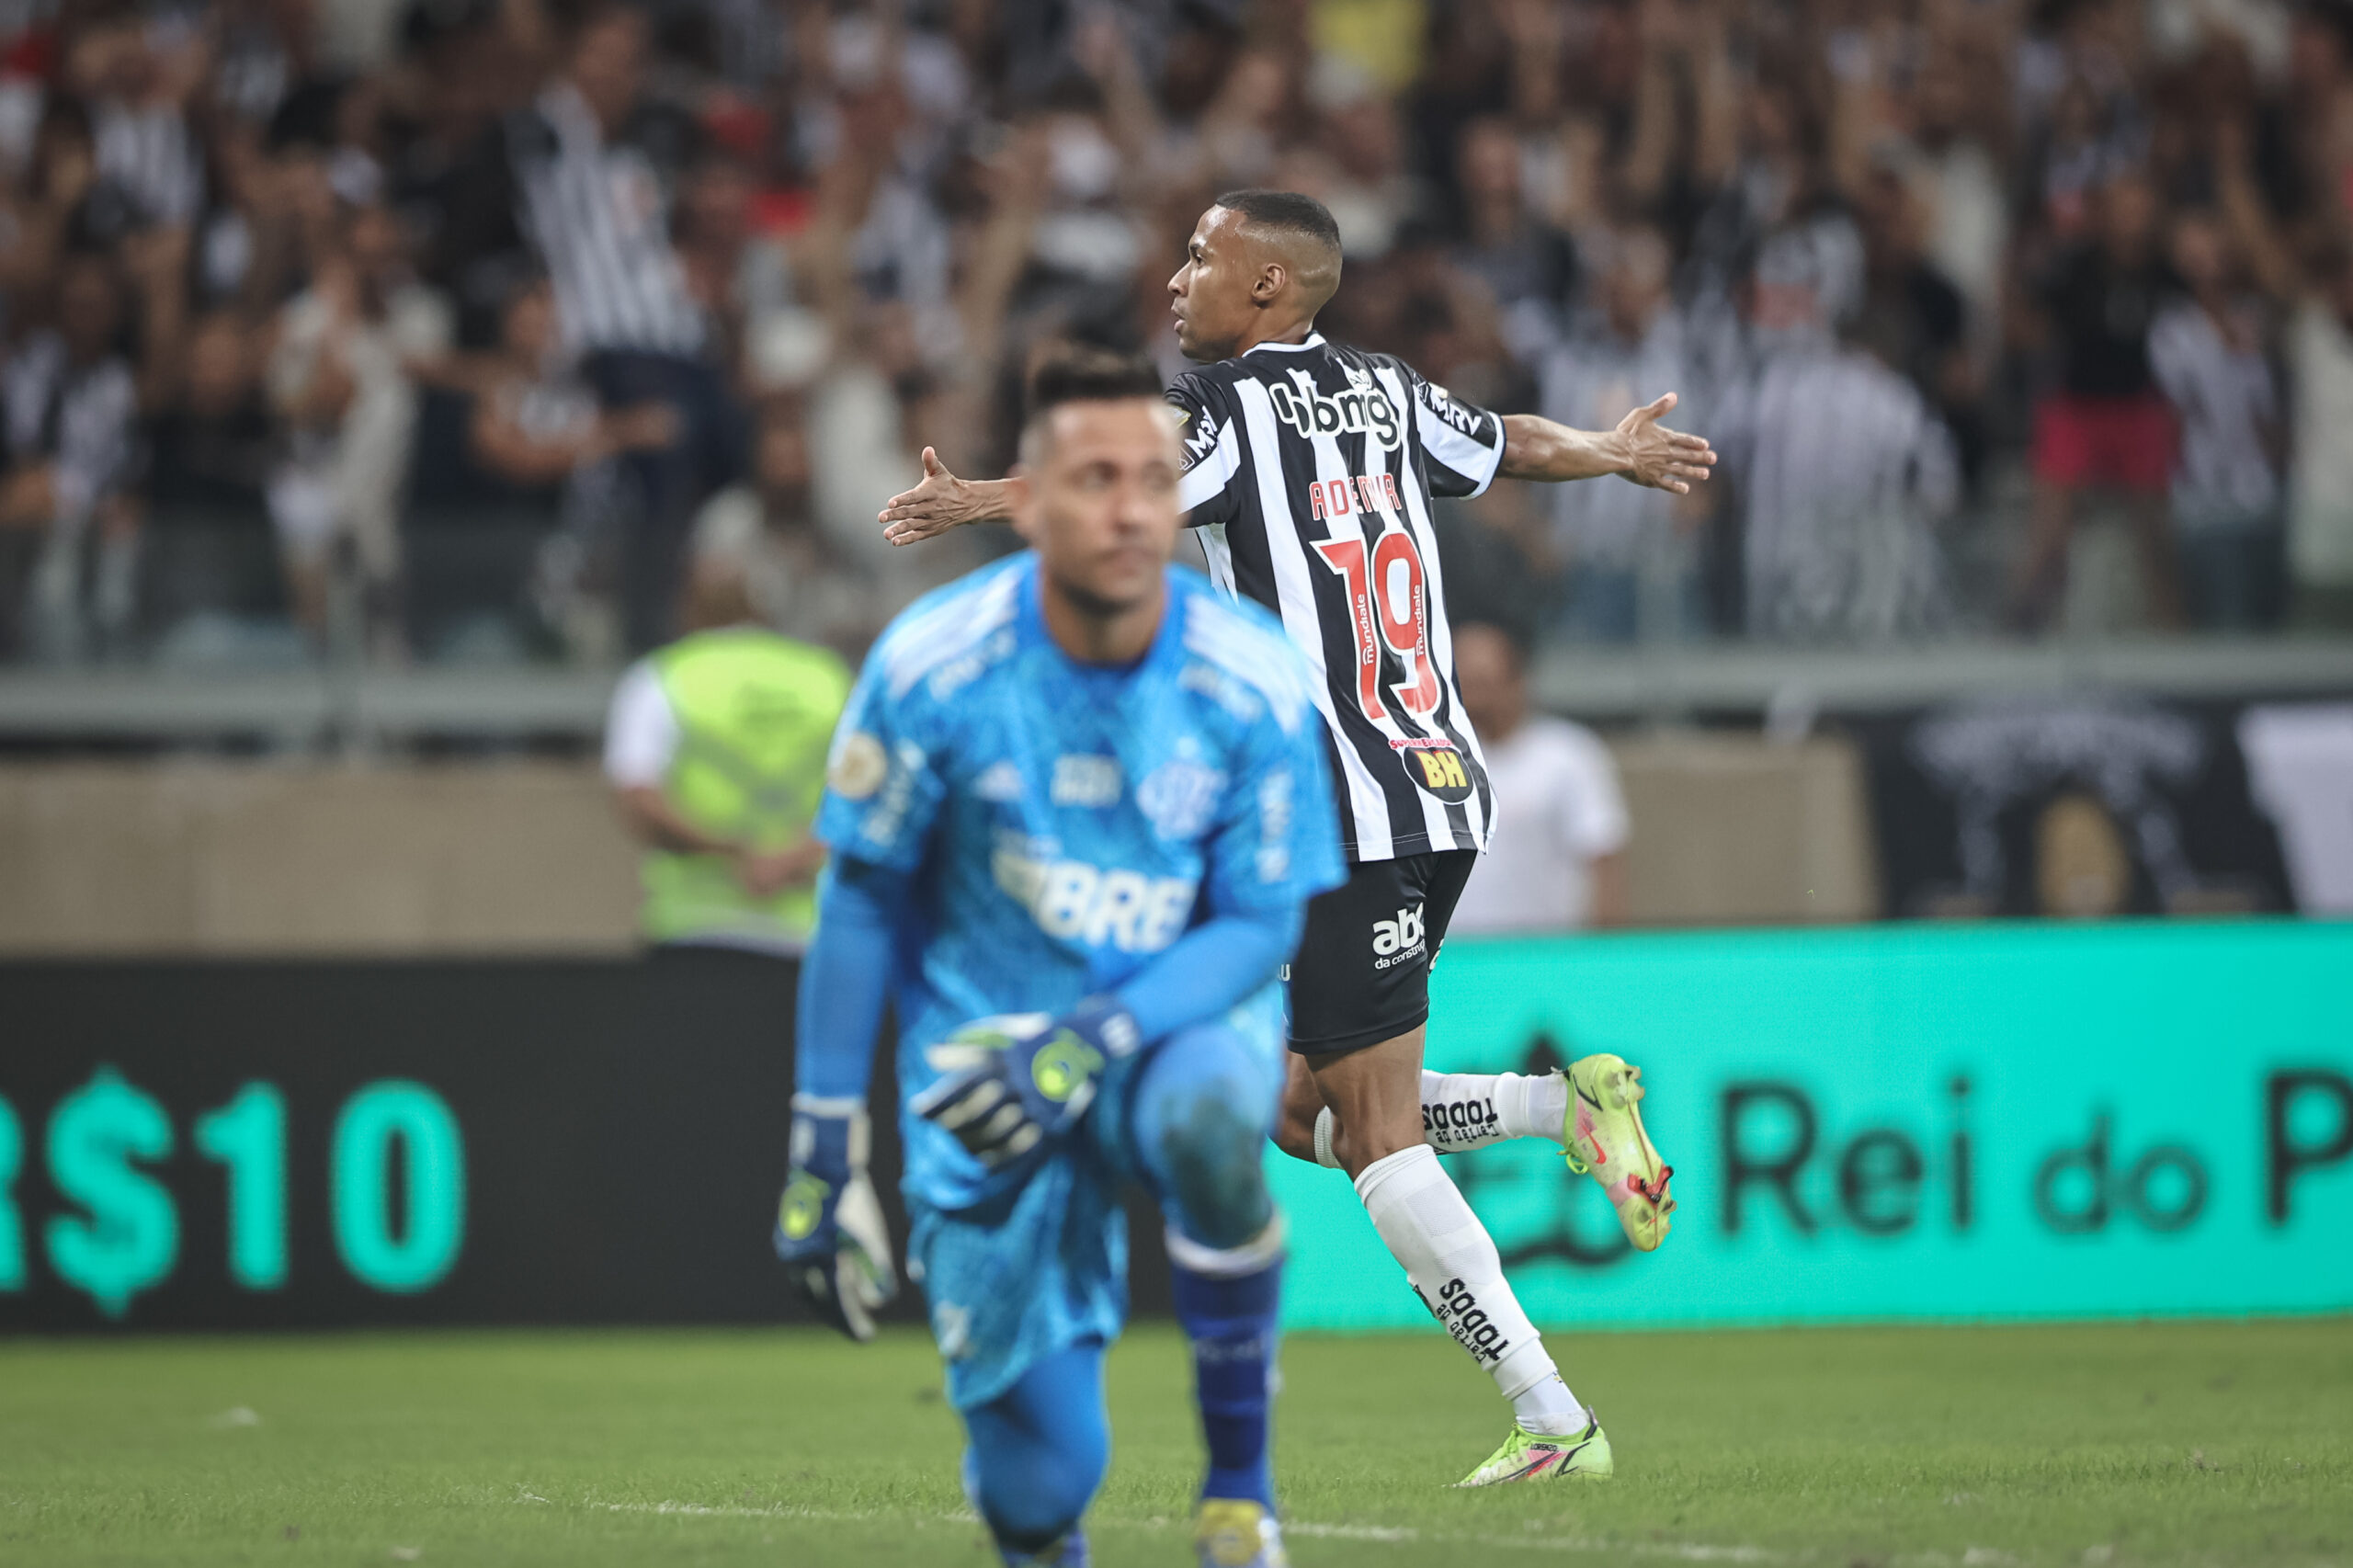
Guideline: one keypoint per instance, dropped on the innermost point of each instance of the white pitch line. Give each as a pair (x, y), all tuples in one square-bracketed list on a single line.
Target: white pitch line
[(1394, 1535), (784, 1511)]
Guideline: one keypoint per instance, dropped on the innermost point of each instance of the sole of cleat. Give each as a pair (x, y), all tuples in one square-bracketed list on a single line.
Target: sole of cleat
[(1606, 1094)]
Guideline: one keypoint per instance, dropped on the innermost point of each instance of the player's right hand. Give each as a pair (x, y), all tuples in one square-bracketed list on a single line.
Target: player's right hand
[(1009, 1084), (829, 1227)]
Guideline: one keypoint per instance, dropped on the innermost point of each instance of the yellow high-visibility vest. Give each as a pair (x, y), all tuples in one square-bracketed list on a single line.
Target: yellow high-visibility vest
[(755, 713)]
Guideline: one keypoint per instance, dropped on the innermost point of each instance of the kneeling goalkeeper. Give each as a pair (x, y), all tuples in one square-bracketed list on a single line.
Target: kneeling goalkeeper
[(1076, 806)]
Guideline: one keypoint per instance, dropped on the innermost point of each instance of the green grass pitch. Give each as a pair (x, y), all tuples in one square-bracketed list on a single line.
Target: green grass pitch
[(1973, 1448)]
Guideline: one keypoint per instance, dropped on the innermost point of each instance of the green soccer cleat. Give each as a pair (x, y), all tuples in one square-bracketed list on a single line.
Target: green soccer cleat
[(1532, 1456), (1235, 1533), (1605, 1140)]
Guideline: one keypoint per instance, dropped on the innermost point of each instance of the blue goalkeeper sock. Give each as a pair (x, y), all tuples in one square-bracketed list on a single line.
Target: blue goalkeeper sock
[(1230, 1322)]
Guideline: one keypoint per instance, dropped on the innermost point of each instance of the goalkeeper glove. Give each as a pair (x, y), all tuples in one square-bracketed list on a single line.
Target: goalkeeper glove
[(829, 1227), (1012, 1082)]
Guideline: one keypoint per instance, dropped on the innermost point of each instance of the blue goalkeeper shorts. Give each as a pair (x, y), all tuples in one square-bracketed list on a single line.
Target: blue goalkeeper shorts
[(1044, 1268)]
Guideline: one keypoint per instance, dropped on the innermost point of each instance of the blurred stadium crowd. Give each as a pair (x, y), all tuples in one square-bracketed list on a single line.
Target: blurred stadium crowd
[(446, 330)]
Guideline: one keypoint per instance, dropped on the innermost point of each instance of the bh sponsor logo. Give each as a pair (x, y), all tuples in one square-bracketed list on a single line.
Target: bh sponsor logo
[(1397, 941), (1434, 764)]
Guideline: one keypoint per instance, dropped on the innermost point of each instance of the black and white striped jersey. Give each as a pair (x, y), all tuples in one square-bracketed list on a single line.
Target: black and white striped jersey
[(150, 161), (597, 212), (1309, 470)]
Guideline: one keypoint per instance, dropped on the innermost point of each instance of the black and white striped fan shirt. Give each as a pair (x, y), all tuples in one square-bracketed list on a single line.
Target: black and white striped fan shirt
[(598, 211), (1309, 470)]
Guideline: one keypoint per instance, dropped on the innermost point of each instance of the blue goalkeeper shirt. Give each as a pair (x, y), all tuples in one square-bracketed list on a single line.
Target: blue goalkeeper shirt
[(1052, 826)]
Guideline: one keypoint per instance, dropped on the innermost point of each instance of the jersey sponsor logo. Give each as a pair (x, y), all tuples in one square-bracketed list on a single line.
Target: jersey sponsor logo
[(1081, 780), (857, 766), (1441, 402), (1464, 1318), (1466, 1122), (1198, 436), (1397, 941), (999, 783), (1095, 906), (1359, 411), (1355, 492), (1436, 765), (1179, 798)]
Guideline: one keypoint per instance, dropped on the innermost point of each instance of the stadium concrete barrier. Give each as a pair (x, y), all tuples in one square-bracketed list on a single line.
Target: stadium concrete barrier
[(262, 860), (1730, 829), (510, 859)]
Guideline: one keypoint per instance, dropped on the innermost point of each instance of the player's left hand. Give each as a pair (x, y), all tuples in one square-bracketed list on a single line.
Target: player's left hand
[(829, 1226), (1010, 1083), (1658, 457)]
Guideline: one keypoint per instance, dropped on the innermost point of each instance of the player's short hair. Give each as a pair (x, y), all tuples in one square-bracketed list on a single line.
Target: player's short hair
[(1287, 211), (1081, 373)]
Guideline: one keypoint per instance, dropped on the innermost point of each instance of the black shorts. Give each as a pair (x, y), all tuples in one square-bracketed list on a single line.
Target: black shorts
[(1363, 971)]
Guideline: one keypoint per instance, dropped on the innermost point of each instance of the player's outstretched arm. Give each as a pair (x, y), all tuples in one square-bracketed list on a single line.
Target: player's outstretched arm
[(943, 502), (1641, 449)]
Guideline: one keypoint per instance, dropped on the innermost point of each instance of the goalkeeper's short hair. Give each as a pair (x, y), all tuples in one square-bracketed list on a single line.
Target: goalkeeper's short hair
[(1083, 373)]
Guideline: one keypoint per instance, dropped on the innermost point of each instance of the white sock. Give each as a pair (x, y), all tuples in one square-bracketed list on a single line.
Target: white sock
[(1549, 1407), (1470, 1110), (1454, 1268)]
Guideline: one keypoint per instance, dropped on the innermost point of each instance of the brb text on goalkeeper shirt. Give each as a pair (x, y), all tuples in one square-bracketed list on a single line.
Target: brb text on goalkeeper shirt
[(1309, 469)]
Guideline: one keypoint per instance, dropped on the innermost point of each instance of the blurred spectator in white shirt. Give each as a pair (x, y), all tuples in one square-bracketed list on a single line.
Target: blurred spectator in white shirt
[(343, 378), (2320, 526), (1556, 856)]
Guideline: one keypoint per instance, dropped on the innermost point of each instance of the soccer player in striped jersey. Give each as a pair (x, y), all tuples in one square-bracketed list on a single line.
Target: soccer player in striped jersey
[(1310, 470)]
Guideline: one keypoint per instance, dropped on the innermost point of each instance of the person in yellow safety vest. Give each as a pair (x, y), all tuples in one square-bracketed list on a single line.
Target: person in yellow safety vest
[(715, 746)]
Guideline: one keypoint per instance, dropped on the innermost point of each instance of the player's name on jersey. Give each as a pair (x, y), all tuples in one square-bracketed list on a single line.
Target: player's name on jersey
[(1353, 493)]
